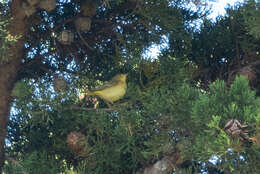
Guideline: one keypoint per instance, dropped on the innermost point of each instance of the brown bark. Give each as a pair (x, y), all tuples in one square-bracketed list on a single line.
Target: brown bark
[(5, 99), (8, 71)]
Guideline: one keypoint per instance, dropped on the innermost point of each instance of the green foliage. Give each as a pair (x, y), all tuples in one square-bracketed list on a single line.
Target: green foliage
[(163, 108), (252, 18), (5, 39), (211, 111), (35, 162), (220, 47), (22, 90), (135, 133), (236, 103), (44, 163)]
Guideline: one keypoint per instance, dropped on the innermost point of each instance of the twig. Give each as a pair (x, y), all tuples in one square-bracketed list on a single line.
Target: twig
[(65, 22), (90, 109), (105, 3), (84, 41), (16, 163)]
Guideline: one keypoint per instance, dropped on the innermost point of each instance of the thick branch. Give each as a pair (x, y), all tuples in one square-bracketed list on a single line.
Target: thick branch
[(8, 71)]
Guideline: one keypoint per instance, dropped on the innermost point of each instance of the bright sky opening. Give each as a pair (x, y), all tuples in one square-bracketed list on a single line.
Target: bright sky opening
[(218, 8)]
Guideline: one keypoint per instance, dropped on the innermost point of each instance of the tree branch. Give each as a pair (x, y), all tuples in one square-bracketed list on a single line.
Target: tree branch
[(90, 109)]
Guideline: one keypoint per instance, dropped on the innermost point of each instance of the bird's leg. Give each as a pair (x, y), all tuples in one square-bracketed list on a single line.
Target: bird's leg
[(95, 102)]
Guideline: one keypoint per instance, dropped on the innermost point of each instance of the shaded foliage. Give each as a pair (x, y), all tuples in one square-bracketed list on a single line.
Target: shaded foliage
[(170, 102)]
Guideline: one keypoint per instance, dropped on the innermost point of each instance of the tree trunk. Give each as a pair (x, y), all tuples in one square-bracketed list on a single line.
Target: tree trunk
[(8, 71), (5, 100)]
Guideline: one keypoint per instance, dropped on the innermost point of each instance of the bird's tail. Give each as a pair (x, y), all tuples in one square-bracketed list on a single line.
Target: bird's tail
[(90, 92)]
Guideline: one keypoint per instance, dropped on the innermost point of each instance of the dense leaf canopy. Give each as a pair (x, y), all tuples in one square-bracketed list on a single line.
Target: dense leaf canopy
[(176, 106)]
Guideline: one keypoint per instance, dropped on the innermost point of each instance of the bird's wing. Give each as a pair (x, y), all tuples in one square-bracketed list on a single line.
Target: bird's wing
[(105, 85)]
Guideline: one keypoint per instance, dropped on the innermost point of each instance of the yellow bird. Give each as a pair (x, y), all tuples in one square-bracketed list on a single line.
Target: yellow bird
[(111, 91)]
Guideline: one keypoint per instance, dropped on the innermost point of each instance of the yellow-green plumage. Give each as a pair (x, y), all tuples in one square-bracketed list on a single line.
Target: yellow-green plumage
[(112, 91)]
